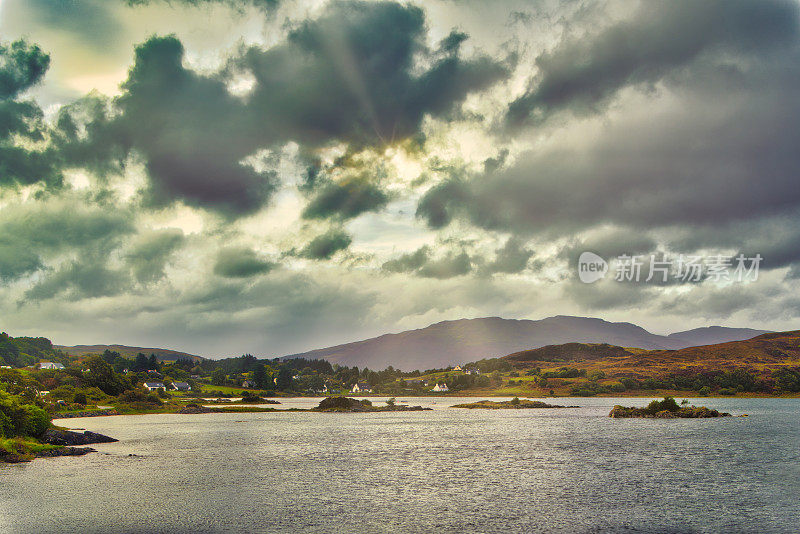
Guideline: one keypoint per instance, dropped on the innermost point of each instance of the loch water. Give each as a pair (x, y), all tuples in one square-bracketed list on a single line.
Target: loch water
[(447, 470)]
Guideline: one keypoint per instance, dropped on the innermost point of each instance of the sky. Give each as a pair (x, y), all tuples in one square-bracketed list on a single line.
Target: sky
[(272, 176)]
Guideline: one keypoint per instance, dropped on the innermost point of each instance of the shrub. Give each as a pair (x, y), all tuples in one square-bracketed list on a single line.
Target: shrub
[(80, 398), (668, 404)]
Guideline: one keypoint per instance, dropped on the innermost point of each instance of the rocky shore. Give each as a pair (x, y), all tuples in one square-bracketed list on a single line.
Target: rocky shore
[(57, 436), (92, 413), (54, 442)]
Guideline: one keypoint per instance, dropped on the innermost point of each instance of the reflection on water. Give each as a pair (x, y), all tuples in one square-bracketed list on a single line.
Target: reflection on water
[(447, 470)]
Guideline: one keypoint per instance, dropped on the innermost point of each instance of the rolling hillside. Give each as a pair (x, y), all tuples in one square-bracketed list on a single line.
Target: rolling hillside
[(771, 350), (128, 352)]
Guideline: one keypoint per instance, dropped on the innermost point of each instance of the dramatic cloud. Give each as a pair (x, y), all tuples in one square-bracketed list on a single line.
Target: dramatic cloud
[(239, 262), (584, 73), (346, 76), (422, 264), (694, 166), (266, 5), (326, 245), (510, 258), (346, 199), (350, 75), (77, 280), (150, 252), (191, 131), (21, 67), (31, 231)]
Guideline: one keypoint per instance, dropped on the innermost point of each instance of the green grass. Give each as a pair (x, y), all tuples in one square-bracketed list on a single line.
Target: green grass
[(25, 448)]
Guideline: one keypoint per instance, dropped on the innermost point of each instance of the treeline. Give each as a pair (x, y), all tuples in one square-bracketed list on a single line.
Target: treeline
[(21, 409), (705, 382), (25, 351)]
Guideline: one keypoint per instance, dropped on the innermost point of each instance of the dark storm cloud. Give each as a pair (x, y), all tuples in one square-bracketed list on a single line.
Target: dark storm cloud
[(150, 251), (714, 161), (611, 244), (30, 233), (350, 75), (453, 264), (240, 262), (408, 262), (583, 73), (189, 127), (77, 280), (91, 20), (346, 199), (22, 66), (326, 245), (511, 258), (266, 5), (422, 264)]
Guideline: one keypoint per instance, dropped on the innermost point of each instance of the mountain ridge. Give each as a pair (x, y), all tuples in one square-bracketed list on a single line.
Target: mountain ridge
[(459, 341)]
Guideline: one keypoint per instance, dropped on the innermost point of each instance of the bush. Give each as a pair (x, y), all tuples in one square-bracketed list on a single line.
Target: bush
[(138, 396), (669, 404), (250, 396), (705, 391), (20, 419), (80, 398)]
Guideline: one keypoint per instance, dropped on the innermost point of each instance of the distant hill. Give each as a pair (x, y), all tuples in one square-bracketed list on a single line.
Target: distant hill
[(128, 352), (759, 353), (714, 334), (456, 342)]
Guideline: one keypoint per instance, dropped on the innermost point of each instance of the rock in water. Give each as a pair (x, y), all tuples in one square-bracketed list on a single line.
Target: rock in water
[(54, 436)]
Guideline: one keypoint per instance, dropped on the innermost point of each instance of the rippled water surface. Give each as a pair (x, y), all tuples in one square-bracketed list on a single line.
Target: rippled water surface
[(446, 470)]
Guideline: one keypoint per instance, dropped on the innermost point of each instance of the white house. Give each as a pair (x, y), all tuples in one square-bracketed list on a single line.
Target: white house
[(248, 384), (361, 388), (51, 365), (152, 386), (438, 388), (181, 386), (472, 371)]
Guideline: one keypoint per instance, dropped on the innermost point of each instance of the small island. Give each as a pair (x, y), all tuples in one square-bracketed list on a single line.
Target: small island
[(667, 409), (513, 404), (346, 404)]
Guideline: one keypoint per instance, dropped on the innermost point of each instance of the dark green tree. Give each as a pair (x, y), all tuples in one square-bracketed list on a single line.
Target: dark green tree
[(218, 377), (260, 376)]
